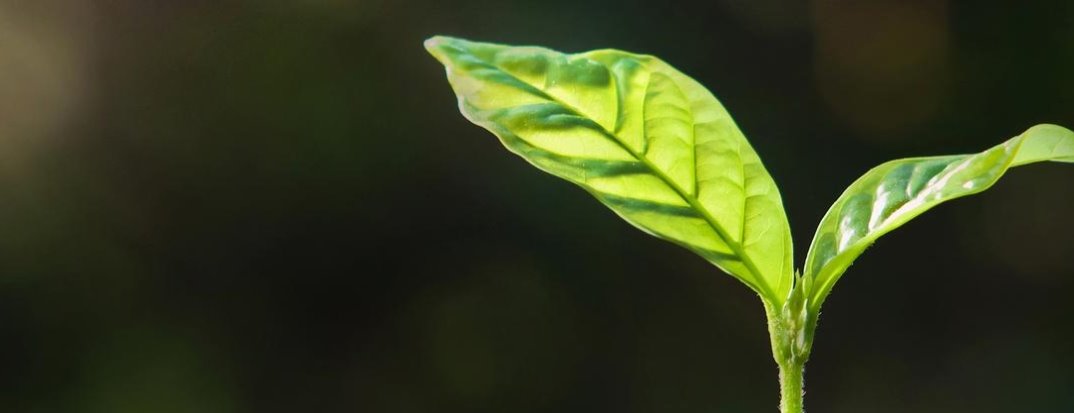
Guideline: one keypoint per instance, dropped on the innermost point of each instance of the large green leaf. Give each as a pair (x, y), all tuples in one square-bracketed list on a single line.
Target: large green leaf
[(646, 140), (891, 194)]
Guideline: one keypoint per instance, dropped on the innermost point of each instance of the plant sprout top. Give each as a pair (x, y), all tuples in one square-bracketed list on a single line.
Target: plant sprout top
[(659, 150)]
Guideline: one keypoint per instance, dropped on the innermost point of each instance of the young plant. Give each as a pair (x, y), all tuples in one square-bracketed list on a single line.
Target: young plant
[(659, 150)]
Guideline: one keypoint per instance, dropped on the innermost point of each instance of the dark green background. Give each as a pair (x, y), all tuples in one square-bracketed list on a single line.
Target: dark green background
[(266, 206)]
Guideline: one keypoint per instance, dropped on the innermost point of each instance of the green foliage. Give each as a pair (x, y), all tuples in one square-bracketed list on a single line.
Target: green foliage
[(658, 149), (895, 192), (646, 140)]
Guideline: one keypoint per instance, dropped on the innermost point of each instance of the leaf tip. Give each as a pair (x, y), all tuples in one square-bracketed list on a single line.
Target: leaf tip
[(1051, 129), (434, 42), (437, 45)]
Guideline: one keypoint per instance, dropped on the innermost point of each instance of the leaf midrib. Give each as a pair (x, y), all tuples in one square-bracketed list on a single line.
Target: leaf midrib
[(735, 247)]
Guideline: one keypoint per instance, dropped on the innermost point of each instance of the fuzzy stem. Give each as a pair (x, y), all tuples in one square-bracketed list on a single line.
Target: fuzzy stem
[(790, 330), (790, 387)]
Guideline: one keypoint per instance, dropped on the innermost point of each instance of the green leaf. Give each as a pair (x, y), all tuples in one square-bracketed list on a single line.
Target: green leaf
[(646, 140), (891, 194)]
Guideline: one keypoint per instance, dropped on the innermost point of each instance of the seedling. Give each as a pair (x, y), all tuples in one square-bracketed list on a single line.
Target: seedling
[(659, 150)]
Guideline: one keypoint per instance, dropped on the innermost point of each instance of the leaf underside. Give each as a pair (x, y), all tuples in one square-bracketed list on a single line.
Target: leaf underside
[(891, 194), (646, 140)]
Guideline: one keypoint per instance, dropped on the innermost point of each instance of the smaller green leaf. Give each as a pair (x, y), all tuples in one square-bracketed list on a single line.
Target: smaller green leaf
[(895, 192)]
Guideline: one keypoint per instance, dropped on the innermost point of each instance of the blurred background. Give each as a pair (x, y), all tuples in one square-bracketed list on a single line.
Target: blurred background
[(269, 206)]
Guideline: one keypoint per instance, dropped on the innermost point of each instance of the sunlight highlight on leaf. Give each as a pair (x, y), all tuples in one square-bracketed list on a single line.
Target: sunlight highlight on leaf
[(646, 140)]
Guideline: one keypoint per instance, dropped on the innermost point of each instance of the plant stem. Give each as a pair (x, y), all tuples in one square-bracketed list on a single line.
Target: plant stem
[(790, 387), (791, 331)]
